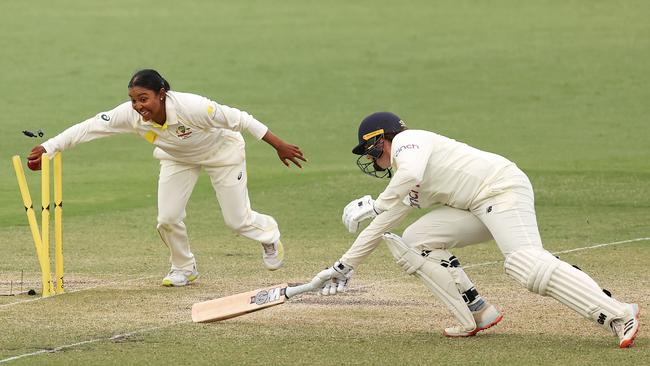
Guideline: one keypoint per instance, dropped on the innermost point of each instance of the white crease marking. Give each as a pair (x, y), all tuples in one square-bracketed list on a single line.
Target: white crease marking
[(125, 335)]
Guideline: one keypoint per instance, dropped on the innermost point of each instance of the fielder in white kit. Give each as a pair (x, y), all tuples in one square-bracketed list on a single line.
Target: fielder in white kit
[(190, 133), (473, 196)]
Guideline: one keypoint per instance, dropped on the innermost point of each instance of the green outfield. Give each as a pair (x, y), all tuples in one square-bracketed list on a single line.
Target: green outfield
[(559, 87)]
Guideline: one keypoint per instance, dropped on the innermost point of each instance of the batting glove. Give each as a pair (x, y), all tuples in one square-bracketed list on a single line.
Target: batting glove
[(338, 276), (358, 210)]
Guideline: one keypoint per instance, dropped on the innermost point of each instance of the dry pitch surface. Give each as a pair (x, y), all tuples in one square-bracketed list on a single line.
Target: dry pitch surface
[(380, 320)]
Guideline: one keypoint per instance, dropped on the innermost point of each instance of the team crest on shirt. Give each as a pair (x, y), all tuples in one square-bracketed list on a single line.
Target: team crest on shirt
[(183, 132)]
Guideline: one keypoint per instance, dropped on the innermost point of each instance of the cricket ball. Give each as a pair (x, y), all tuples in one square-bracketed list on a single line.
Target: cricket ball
[(34, 164)]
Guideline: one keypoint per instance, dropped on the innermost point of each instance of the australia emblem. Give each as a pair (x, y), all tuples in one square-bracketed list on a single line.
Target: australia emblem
[(183, 132)]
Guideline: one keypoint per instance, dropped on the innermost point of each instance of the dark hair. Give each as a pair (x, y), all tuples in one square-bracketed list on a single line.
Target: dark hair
[(149, 79)]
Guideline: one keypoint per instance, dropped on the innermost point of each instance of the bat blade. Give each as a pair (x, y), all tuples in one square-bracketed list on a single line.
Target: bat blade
[(239, 304)]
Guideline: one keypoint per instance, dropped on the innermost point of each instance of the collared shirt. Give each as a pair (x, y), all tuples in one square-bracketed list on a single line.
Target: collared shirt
[(198, 130), (430, 170), (434, 169)]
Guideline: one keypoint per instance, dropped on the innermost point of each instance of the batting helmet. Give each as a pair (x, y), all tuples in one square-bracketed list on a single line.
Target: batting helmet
[(373, 128), (370, 148)]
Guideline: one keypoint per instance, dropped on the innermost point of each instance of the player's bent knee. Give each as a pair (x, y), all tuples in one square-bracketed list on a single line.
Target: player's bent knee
[(416, 240), (434, 275), (409, 235), (169, 220), (238, 223), (238, 226), (163, 225), (532, 267)]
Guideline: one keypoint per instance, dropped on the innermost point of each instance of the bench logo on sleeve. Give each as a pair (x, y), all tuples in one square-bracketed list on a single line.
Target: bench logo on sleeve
[(414, 197)]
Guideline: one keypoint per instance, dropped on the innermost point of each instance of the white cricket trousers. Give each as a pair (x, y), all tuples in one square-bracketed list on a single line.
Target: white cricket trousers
[(175, 186), (507, 216)]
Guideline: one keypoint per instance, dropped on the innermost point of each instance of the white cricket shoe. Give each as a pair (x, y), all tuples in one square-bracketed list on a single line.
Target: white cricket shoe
[(180, 277), (273, 255), (485, 318), (627, 327)]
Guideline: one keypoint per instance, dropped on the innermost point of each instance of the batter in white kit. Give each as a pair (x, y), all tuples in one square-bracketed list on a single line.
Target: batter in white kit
[(472, 196)]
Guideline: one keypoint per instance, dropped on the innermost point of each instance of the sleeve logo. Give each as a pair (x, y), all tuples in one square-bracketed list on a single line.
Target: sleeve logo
[(406, 147), (105, 117), (414, 197)]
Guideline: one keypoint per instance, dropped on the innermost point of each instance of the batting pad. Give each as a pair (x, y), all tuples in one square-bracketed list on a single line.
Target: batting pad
[(452, 265), (437, 278), (543, 273)]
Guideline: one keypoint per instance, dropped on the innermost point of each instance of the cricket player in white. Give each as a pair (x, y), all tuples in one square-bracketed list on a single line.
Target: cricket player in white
[(473, 196), (189, 133)]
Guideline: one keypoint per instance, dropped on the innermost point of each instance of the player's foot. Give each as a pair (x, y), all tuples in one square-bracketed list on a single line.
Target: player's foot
[(627, 327), (180, 277), (273, 255), (485, 318)]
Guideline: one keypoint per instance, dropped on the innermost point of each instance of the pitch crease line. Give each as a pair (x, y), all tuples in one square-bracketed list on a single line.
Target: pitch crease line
[(72, 345), (594, 246), (73, 291), (118, 336)]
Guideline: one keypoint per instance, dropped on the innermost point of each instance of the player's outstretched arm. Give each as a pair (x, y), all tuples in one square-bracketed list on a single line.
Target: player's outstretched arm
[(285, 151)]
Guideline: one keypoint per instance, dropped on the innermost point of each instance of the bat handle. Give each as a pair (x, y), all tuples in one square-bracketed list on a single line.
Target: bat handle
[(315, 283)]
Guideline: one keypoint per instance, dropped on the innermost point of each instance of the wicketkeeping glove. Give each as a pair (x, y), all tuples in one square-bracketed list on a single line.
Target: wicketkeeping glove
[(358, 210), (339, 277)]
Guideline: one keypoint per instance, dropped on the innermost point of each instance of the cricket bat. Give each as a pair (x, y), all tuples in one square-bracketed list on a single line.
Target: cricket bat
[(246, 302)]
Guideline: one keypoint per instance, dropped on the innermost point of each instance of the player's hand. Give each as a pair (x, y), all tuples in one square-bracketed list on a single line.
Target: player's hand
[(285, 151), (358, 210), (337, 278), (34, 157), (337, 285), (290, 152)]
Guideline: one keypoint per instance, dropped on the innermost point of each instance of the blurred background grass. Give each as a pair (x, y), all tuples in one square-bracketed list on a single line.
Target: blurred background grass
[(558, 87)]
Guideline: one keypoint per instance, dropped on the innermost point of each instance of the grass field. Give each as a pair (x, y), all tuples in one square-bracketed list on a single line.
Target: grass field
[(559, 87)]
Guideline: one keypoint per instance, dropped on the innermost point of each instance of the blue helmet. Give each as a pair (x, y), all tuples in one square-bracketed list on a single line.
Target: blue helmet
[(372, 129), (371, 133)]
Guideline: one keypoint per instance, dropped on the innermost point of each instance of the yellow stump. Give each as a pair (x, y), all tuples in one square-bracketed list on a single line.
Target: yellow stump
[(58, 224), (45, 218), (33, 225)]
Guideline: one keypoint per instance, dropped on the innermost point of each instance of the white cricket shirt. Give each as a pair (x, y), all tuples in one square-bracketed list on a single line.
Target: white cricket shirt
[(430, 169), (198, 130)]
